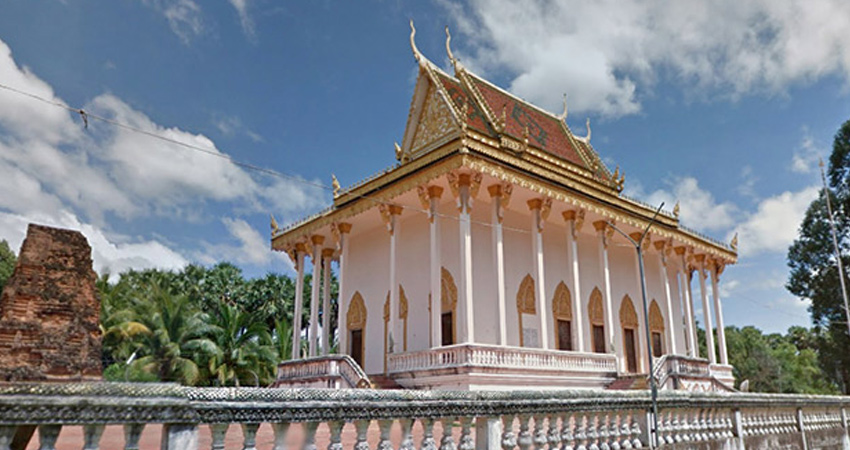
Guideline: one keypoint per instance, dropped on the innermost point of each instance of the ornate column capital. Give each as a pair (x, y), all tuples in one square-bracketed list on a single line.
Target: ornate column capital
[(388, 214), (575, 218), (542, 207), (501, 193), (328, 253)]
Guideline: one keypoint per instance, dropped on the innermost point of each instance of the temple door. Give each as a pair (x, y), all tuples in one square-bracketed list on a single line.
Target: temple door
[(631, 349)]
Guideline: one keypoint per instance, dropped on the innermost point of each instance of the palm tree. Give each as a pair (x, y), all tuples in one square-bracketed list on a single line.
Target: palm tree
[(176, 337), (245, 354)]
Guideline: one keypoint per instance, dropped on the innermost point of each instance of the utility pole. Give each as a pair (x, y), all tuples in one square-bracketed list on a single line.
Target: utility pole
[(835, 244), (653, 386)]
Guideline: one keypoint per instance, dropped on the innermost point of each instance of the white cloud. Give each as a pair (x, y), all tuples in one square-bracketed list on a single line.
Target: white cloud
[(698, 208), (251, 247), (774, 224), (184, 17), (245, 20), (807, 155), (57, 173), (606, 54), (107, 255)]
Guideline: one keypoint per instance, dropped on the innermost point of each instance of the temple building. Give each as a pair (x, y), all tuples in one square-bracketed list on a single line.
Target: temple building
[(495, 255)]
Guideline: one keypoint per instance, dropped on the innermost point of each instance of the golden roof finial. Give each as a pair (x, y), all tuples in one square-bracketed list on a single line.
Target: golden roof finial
[(734, 242), (273, 224), (449, 48), (416, 53), (587, 138), (336, 185), (563, 116), (398, 152), (676, 210)]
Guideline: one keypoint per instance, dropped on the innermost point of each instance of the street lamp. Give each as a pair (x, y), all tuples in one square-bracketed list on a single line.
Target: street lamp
[(652, 382)]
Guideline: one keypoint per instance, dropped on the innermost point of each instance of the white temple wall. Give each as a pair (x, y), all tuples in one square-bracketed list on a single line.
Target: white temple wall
[(590, 278), (555, 261), (413, 274), (518, 263), (622, 262), (367, 272), (450, 249), (485, 301)]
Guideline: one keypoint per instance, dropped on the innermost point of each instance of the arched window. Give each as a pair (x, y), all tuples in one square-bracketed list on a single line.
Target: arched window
[(525, 306), (656, 329), (356, 323), (448, 308), (629, 324), (562, 314), (596, 314)]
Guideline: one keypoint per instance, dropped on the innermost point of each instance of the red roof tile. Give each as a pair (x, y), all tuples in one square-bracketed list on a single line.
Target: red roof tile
[(475, 119), (544, 131)]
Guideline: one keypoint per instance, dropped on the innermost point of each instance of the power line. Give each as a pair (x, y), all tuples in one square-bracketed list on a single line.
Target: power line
[(85, 116)]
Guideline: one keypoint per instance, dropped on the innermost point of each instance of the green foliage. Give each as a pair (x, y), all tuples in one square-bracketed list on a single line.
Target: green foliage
[(200, 325), (777, 363), (7, 263), (814, 272)]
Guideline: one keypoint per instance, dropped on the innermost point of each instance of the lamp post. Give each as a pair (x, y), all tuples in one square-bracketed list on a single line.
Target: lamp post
[(652, 382)]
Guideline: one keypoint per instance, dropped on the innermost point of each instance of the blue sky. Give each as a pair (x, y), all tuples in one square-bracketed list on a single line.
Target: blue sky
[(723, 105)]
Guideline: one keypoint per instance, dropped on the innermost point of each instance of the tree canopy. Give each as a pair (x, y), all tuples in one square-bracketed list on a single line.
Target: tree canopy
[(200, 325), (813, 264), (7, 263)]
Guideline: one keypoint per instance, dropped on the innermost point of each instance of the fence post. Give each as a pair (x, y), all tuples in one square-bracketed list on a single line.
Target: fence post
[(179, 436), (802, 429), (737, 427), (488, 433)]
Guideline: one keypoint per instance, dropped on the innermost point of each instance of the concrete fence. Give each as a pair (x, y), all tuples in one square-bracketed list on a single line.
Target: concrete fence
[(525, 420)]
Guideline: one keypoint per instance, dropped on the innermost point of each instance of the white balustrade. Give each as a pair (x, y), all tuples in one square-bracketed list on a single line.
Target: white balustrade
[(485, 356)]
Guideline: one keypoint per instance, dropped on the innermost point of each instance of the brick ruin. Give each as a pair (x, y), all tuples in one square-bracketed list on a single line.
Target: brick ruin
[(50, 310)]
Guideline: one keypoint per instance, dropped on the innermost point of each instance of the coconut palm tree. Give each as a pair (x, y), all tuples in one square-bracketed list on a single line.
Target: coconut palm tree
[(245, 354), (176, 337)]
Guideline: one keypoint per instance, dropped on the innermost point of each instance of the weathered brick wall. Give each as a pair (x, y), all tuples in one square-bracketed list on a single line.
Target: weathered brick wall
[(50, 309)]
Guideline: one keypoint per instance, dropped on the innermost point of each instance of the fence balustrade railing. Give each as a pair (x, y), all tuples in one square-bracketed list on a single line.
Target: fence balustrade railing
[(488, 420), (503, 357)]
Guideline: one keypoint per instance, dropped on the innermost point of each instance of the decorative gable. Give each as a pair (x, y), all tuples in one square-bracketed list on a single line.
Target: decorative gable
[(435, 122)]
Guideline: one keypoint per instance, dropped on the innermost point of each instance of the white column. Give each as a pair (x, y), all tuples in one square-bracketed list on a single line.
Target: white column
[(498, 197), (434, 193), (299, 300), (313, 335), (709, 335), (327, 255), (465, 206), (391, 216), (718, 312), (661, 246), (601, 228), (572, 217), (687, 316), (342, 301), (536, 208), (642, 319), (693, 312)]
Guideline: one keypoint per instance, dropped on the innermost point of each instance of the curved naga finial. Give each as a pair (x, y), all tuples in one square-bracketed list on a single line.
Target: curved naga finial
[(563, 116), (416, 53), (449, 47), (676, 210), (734, 242), (336, 185), (586, 139), (273, 224)]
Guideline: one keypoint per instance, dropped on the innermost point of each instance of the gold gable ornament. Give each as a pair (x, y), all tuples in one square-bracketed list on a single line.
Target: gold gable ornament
[(273, 224), (336, 185)]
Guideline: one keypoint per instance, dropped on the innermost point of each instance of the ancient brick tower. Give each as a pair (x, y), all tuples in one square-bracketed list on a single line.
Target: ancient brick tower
[(49, 310)]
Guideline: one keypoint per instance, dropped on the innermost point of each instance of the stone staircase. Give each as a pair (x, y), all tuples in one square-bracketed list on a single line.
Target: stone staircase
[(633, 382), (380, 381)]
